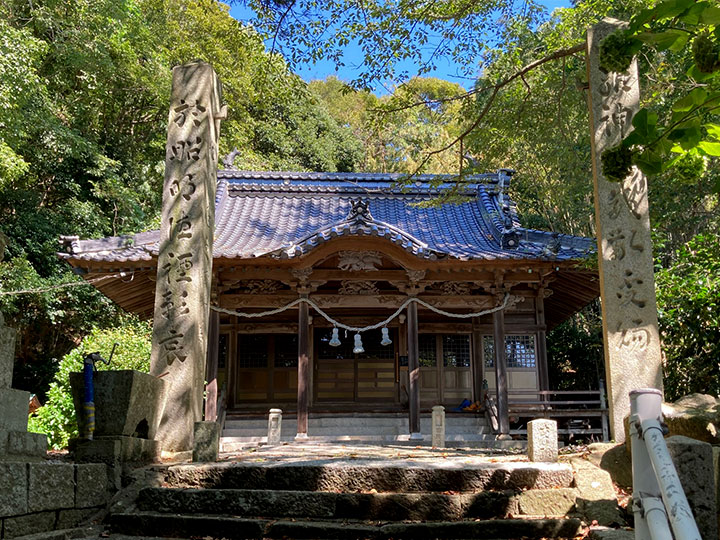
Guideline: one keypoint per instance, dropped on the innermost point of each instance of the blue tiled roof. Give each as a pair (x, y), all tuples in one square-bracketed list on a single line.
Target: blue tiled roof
[(287, 214)]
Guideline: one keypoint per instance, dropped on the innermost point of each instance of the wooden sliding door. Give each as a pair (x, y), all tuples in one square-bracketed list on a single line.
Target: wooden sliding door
[(266, 368), (344, 376)]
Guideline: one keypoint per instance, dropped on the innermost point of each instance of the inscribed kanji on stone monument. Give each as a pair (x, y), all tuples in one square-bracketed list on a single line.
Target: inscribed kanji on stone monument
[(632, 343), (184, 273)]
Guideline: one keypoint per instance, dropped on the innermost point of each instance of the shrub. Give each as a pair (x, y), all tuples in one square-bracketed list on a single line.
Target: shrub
[(688, 302)]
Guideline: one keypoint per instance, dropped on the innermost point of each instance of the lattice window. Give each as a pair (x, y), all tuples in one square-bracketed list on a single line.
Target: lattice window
[(286, 350), (489, 351), (371, 343), (427, 350), (456, 350), (519, 350), (325, 351), (253, 350)]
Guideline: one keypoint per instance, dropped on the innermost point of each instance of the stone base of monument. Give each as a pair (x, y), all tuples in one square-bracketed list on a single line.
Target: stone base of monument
[(116, 449), (15, 441), (121, 454), (206, 442), (128, 408), (22, 444)]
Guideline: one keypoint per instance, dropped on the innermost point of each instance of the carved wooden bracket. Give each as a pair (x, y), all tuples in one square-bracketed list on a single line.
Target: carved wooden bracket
[(357, 261), (358, 287), (302, 283), (411, 289)]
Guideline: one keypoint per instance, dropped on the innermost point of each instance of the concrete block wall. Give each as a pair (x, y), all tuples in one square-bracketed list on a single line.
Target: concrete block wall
[(40, 497)]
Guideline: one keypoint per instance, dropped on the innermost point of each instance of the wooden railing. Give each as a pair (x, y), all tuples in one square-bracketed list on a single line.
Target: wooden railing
[(563, 404)]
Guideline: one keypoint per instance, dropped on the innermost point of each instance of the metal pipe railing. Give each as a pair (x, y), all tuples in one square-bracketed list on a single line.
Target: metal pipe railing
[(658, 496)]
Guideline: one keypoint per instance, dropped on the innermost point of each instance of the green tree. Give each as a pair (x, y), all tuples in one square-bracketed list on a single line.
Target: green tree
[(83, 111), (684, 132), (395, 132), (688, 302)]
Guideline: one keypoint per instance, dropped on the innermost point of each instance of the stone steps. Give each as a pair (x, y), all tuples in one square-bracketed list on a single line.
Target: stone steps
[(334, 505), (319, 423), (217, 526), (291, 431), (327, 418), (234, 444), (389, 475), (379, 498)]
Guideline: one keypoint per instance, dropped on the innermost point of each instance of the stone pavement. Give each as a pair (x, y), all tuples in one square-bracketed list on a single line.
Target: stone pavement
[(298, 453)]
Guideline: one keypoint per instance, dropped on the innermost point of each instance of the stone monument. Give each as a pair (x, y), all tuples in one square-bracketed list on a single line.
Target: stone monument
[(629, 311), (438, 426), (542, 440), (184, 271), (274, 426), (15, 441), (128, 405)]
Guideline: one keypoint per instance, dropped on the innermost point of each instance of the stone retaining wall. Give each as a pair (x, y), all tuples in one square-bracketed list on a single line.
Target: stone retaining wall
[(40, 497)]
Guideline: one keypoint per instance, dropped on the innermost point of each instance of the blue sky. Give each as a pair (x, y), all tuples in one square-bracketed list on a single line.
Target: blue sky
[(444, 69)]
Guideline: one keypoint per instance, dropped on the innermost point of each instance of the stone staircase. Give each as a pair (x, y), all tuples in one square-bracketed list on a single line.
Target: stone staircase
[(345, 499), (466, 430)]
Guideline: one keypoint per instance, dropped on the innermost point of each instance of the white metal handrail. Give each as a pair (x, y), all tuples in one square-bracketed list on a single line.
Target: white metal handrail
[(658, 496)]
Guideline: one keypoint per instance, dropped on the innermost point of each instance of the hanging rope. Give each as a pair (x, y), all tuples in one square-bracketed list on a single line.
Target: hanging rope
[(359, 329), (64, 285)]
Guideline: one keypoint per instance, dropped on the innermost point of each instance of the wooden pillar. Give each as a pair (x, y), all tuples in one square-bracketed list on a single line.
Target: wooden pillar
[(413, 371), (543, 376), (303, 371), (501, 372), (211, 389), (477, 369)]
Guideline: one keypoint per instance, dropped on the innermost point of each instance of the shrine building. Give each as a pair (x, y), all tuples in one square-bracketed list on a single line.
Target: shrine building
[(442, 285)]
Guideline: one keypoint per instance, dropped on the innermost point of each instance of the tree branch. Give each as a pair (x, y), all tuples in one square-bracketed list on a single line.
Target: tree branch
[(279, 24), (495, 89), (561, 53)]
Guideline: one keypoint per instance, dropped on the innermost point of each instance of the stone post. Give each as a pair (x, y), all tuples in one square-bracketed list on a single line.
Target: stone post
[(184, 271), (438, 426), (274, 426), (14, 405), (542, 440), (629, 312)]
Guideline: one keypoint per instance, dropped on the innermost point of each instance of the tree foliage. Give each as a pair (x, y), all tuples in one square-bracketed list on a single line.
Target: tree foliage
[(83, 109), (688, 303), (395, 133), (683, 132), (575, 352), (387, 32)]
